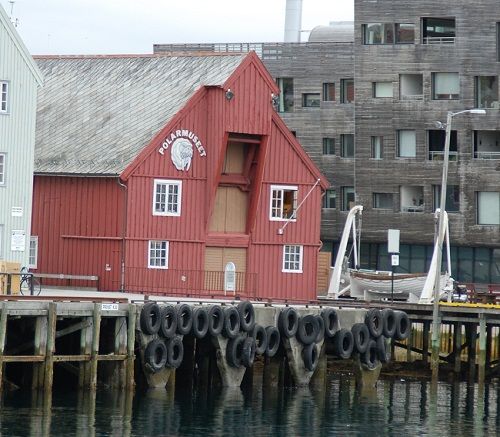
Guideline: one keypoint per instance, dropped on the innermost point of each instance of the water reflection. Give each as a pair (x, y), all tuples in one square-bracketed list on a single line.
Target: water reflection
[(393, 408)]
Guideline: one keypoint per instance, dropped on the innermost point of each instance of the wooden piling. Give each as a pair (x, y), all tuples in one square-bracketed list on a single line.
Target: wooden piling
[(40, 348), (425, 342), (3, 334), (457, 347), (120, 348), (51, 347), (409, 343), (85, 349), (482, 349), (130, 346), (471, 331), (96, 331)]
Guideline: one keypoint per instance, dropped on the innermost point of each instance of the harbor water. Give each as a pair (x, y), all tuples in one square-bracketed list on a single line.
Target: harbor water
[(394, 408)]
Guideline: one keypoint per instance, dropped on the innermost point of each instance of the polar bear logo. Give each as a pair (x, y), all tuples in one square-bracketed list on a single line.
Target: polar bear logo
[(182, 154)]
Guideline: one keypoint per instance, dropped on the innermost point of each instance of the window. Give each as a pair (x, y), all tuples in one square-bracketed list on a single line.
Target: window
[(346, 90), (487, 144), (158, 254), (328, 146), (285, 102), (452, 198), (382, 89), (498, 42), (328, 92), (436, 145), (445, 86), (412, 198), (347, 198), (411, 86), (405, 33), (330, 199), (407, 144), (347, 146), (1, 241), (33, 254), (2, 168), (438, 30), (378, 33), (486, 88), (167, 197), (488, 208), (292, 258), (310, 100), (377, 143), (4, 97), (283, 202), (382, 200)]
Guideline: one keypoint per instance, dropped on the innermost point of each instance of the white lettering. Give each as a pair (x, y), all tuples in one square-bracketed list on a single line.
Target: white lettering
[(182, 133)]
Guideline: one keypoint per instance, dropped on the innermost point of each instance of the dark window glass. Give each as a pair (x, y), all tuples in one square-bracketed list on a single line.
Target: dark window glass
[(311, 100), (405, 33), (328, 92), (346, 90), (328, 146)]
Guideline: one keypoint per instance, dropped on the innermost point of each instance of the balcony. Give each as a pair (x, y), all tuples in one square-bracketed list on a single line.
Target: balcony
[(435, 155), (439, 40)]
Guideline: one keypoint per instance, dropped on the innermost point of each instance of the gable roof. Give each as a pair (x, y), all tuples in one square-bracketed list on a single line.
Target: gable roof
[(18, 42), (96, 113)]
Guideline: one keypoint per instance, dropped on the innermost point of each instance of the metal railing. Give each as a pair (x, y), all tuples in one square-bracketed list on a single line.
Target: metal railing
[(438, 155), (411, 97), (439, 40), (486, 155), (412, 208)]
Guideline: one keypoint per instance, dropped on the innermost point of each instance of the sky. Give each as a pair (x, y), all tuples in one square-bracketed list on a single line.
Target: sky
[(125, 26)]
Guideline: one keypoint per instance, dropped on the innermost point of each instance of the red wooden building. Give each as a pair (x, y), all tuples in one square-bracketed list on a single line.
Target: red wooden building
[(173, 175)]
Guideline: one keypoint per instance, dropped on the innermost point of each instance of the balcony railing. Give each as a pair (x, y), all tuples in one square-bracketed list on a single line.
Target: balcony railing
[(412, 97), (438, 155), (439, 40), (487, 155), (412, 208)]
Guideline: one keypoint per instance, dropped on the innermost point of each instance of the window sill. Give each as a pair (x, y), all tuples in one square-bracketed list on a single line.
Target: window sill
[(157, 268), (292, 271)]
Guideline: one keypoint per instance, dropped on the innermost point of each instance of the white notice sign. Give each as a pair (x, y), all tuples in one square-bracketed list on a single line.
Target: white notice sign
[(395, 260), (18, 241), (109, 307), (17, 211)]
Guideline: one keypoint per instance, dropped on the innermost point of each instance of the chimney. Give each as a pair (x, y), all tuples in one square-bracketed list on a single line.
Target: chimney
[(293, 20)]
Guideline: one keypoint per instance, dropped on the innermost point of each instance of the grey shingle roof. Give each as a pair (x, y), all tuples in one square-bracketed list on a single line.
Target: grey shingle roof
[(95, 114)]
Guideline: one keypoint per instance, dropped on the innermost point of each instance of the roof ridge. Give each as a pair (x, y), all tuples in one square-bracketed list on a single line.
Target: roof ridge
[(200, 54)]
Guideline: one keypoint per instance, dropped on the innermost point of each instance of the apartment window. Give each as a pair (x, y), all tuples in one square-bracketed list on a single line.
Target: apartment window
[(285, 102), (382, 200), (283, 202), (158, 254), (347, 198), (328, 92), (346, 90), (377, 145), (33, 254), (452, 197), (292, 258), (167, 196), (445, 86), (488, 208), (330, 199), (486, 88), (328, 146), (310, 100), (378, 33), (407, 144), (487, 144), (347, 146), (438, 30), (411, 86), (498, 42), (2, 168), (412, 198), (436, 145), (405, 33), (4, 97), (382, 89)]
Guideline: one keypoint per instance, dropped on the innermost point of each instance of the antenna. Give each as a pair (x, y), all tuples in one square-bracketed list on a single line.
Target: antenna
[(14, 21)]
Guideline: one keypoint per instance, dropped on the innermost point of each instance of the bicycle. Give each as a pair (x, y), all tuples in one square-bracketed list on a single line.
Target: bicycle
[(29, 285)]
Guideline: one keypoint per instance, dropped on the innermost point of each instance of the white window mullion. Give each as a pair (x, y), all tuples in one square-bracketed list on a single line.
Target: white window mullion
[(167, 197)]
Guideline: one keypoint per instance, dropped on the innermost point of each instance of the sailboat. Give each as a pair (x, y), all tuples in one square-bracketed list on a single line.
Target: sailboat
[(378, 285)]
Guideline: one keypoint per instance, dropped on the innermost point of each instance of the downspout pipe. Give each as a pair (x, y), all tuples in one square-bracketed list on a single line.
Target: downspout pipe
[(124, 234)]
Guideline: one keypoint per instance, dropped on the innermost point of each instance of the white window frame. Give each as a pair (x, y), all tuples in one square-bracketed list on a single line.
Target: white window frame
[(383, 90), (3, 162), (167, 183), (482, 196), (34, 248), (4, 97), (151, 248), (300, 254), (281, 189)]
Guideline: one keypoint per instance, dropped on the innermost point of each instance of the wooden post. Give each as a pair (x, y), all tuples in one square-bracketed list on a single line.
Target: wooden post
[(40, 348), (425, 342), (457, 347), (489, 345), (3, 335), (409, 344), (472, 334), (482, 349), (96, 331), (51, 347), (85, 349), (119, 377), (130, 346)]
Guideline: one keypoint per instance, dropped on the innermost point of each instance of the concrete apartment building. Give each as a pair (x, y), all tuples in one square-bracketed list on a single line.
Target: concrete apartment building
[(366, 113)]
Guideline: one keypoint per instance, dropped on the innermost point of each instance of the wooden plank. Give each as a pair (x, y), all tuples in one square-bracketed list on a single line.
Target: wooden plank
[(71, 358), (51, 346), (112, 357), (23, 358), (96, 331)]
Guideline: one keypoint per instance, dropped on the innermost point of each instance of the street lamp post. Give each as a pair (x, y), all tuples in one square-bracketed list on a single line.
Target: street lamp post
[(436, 319)]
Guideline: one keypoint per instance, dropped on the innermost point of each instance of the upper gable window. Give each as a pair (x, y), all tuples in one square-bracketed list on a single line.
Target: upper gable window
[(4, 97), (283, 202), (167, 196)]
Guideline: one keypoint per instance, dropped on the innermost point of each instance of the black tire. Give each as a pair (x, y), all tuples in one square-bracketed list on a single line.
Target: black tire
[(234, 351), (389, 323), (403, 325), (150, 319), (248, 352), (308, 329), (168, 316), (383, 349), (343, 343), (200, 322), (370, 357), (361, 337), (215, 320), (184, 319), (331, 321), (375, 322), (310, 356), (155, 355), (247, 316), (288, 322), (175, 349), (321, 329), (273, 341), (231, 322), (260, 335)]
